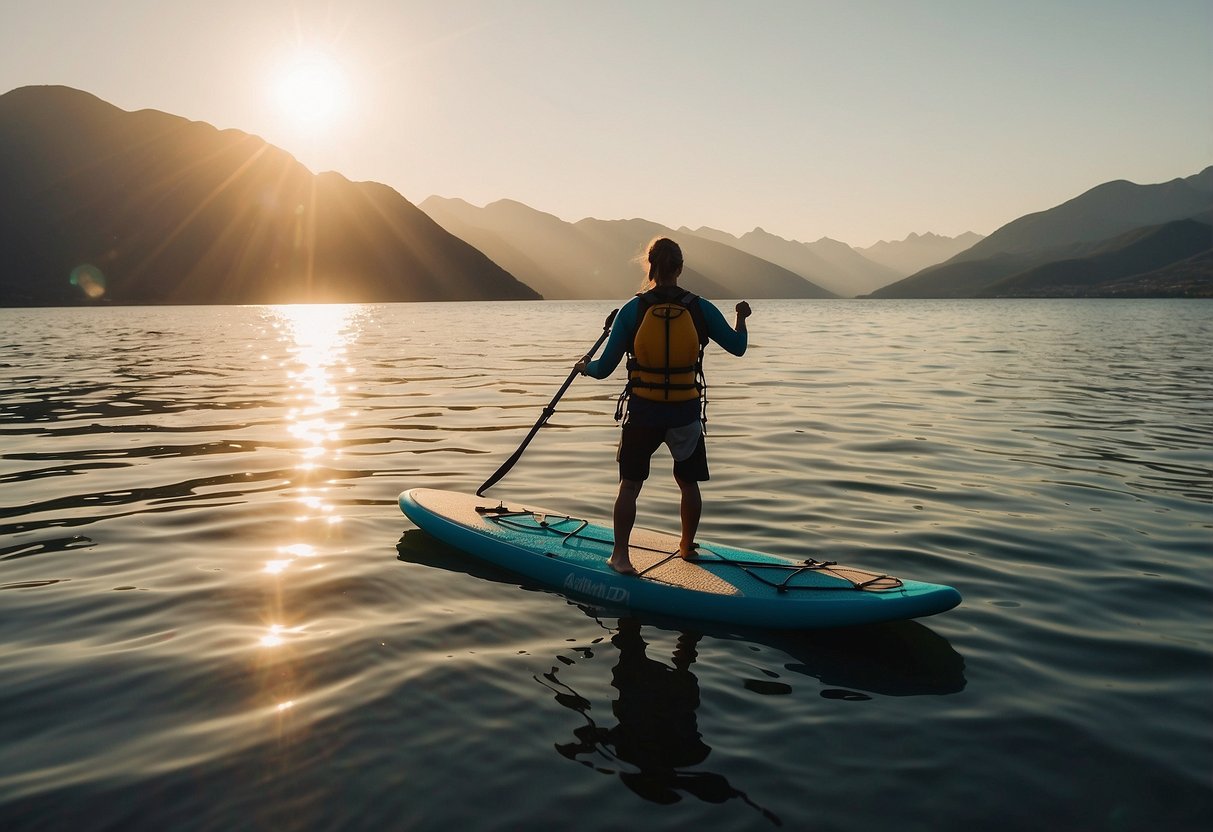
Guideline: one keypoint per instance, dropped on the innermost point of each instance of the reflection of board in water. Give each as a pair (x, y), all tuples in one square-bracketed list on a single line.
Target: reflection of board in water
[(899, 658), (657, 734)]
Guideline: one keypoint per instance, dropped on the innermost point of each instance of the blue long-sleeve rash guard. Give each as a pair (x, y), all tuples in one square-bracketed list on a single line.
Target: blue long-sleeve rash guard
[(625, 324)]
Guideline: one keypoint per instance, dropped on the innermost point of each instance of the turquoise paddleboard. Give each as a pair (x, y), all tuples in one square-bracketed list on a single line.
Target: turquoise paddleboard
[(724, 583)]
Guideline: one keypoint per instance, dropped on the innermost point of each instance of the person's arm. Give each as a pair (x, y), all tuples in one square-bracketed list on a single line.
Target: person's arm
[(735, 338), (616, 345)]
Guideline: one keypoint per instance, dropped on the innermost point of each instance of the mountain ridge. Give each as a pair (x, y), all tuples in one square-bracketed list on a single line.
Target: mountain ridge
[(597, 259), (162, 209), (918, 251), (98, 203), (1100, 213), (1073, 229), (833, 265), (1136, 255)]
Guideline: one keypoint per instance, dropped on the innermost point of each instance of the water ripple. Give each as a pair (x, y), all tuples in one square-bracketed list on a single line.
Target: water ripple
[(211, 617)]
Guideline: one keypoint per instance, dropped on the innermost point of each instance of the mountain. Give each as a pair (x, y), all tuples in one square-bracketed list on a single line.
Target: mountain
[(827, 263), (1076, 229), (545, 252), (1099, 214), (1135, 255), (601, 259), (851, 268), (620, 258), (147, 207), (918, 251)]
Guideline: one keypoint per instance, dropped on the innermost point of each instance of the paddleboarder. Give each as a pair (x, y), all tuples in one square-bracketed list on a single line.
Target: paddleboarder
[(663, 331)]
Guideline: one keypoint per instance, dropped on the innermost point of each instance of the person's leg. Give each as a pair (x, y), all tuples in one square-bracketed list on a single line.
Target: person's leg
[(625, 518), (636, 446), (688, 474), (690, 510)]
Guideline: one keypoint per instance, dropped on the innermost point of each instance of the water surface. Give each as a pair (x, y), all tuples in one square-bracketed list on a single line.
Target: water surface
[(213, 616)]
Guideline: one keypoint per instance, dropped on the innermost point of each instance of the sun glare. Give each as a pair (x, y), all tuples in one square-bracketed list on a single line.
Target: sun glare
[(310, 89)]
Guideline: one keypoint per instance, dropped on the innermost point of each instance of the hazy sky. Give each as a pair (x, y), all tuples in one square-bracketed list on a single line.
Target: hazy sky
[(855, 120)]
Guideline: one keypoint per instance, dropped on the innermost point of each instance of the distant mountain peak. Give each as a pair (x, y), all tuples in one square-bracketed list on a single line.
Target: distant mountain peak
[(594, 258), (918, 251), (1202, 181), (759, 231), (448, 200)]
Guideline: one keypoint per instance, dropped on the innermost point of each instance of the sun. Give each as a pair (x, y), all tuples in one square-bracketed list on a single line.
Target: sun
[(311, 90)]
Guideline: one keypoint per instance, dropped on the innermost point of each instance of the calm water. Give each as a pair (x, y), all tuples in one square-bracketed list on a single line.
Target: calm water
[(213, 616)]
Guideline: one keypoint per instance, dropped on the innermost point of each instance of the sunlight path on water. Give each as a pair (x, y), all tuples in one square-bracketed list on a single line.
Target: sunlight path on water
[(213, 614), (317, 340)]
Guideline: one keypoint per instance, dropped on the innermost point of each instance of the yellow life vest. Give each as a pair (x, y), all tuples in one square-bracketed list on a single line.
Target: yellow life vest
[(666, 359)]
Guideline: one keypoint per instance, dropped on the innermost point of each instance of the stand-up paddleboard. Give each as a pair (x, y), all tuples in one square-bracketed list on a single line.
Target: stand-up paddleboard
[(724, 583)]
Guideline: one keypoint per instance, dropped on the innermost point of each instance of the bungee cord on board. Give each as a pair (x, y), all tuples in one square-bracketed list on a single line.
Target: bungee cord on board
[(874, 583)]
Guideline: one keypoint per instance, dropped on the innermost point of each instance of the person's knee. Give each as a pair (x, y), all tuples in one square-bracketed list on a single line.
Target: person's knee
[(630, 487), (687, 486)]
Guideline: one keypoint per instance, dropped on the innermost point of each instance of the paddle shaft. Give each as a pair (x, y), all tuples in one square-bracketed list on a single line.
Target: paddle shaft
[(547, 411)]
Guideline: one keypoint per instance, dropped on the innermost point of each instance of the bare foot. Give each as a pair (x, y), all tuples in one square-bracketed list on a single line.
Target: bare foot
[(622, 565), (689, 554)]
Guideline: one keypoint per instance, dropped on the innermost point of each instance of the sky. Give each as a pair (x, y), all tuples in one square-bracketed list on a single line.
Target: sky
[(857, 120)]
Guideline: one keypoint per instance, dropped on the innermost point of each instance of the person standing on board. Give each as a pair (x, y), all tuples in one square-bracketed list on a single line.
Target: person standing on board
[(664, 330)]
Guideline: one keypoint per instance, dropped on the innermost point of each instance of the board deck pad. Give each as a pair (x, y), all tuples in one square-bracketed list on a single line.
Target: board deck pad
[(655, 557), (722, 583)]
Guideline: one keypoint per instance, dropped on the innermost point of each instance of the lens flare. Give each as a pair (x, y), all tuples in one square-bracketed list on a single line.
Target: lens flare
[(88, 279)]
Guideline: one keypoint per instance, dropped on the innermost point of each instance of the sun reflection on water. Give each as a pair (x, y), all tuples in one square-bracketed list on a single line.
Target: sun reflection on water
[(288, 555), (274, 637), (316, 341), (320, 337)]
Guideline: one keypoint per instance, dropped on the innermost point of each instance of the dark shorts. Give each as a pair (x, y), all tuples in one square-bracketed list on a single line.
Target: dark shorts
[(637, 443)]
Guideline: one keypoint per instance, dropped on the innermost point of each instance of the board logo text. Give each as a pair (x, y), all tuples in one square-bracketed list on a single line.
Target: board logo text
[(596, 589)]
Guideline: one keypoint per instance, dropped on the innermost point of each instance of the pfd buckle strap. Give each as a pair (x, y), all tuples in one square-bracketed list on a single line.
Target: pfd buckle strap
[(658, 385), (621, 403), (636, 365)]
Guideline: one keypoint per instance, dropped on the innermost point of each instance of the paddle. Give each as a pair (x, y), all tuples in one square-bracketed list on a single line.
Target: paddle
[(547, 412)]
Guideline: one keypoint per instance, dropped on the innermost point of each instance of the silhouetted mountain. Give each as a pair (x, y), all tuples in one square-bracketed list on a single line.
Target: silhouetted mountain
[(619, 247), (1099, 214), (1136, 254), (851, 268), (544, 251), (1073, 230), (159, 209), (918, 251), (595, 258), (827, 263)]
